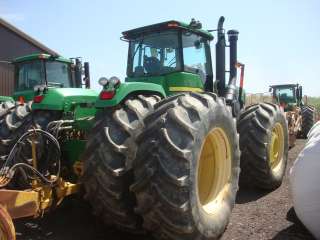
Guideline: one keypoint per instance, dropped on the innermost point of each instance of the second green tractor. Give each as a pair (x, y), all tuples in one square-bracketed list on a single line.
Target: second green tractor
[(167, 145)]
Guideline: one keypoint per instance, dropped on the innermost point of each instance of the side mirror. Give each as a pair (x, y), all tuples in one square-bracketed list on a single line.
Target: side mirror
[(270, 89)]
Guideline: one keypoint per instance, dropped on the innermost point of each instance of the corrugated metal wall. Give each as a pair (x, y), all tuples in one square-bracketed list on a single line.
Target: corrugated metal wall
[(11, 46), (6, 79)]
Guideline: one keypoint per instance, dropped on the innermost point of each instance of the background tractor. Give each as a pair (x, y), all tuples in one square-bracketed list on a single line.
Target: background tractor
[(300, 116), (164, 152), (42, 133)]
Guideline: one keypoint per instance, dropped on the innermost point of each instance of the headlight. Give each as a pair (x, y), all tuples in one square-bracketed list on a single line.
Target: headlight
[(39, 88), (103, 81), (115, 81)]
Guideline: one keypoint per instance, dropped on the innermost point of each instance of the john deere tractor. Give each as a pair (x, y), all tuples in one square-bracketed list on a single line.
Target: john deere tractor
[(42, 134), (164, 153), (300, 116)]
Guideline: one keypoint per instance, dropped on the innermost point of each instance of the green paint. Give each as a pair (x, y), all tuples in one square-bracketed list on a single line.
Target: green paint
[(6, 99), (177, 79), (286, 94), (71, 149), (38, 56), (65, 98), (27, 94), (165, 25), (159, 85), (128, 88), (76, 104)]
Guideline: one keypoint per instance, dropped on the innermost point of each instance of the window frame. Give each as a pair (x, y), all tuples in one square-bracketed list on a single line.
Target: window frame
[(207, 50), (44, 69), (18, 67), (130, 60), (71, 82)]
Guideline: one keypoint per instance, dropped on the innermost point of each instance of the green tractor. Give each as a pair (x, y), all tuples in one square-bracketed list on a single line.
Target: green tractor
[(289, 96), (42, 133), (164, 153), (52, 87)]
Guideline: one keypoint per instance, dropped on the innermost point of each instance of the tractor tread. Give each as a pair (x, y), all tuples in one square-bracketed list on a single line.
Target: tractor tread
[(255, 126), (110, 152), (308, 119), (164, 159)]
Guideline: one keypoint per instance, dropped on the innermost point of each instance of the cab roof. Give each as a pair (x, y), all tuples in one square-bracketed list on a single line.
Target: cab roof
[(173, 24), (284, 85), (37, 56)]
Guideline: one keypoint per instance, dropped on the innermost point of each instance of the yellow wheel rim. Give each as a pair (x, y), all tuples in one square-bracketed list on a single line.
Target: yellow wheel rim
[(2, 234), (7, 231), (214, 170), (276, 146)]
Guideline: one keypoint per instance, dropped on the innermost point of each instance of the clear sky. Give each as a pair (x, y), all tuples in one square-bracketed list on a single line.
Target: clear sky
[(279, 40)]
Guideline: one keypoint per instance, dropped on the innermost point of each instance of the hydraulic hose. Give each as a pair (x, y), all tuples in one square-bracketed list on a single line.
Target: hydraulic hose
[(7, 171)]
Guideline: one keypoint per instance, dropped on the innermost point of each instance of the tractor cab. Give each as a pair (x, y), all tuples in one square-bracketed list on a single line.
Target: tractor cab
[(173, 57), (173, 54), (287, 95), (43, 70)]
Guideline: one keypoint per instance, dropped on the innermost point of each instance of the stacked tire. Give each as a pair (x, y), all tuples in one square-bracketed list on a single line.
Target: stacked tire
[(108, 159), (154, 165), (308, 114), (180, 192), (264, 145), (172, 167)]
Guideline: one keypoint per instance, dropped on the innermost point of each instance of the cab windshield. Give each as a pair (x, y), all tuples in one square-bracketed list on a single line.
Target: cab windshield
[(169, 51), (33, 73), (286, 95), (154, 54)]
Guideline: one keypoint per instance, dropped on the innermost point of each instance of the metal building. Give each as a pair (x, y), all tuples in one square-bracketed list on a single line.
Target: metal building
[(15, 43)]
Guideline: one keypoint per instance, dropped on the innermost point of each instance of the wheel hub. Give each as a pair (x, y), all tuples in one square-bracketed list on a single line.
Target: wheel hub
[(214, 170), (276, 146)]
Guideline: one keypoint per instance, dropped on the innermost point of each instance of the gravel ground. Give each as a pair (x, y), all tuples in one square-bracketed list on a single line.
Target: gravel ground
[(257, 215)]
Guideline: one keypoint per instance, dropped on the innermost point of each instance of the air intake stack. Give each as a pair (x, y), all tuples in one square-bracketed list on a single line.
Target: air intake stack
[(220, 58), (232, 85)]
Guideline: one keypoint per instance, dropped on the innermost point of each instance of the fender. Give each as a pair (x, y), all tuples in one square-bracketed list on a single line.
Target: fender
[(78, 100), (131, 88), (6, 99)]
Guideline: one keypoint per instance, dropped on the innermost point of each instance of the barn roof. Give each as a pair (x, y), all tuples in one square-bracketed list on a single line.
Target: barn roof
[(26, 37)]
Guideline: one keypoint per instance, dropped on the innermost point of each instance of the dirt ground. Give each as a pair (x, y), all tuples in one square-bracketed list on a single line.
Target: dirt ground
[(257, 215)]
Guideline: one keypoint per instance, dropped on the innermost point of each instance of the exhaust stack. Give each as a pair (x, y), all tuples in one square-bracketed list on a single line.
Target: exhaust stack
[(220, 58), (232, 85)]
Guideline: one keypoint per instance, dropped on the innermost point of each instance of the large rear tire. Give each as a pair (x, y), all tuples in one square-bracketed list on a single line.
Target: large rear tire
[(308, 119), (109, 154), (187, 168), (264, 145)]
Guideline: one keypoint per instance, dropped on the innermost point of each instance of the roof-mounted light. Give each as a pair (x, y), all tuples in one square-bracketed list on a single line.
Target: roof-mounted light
[(42, 56), (173, 24)]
